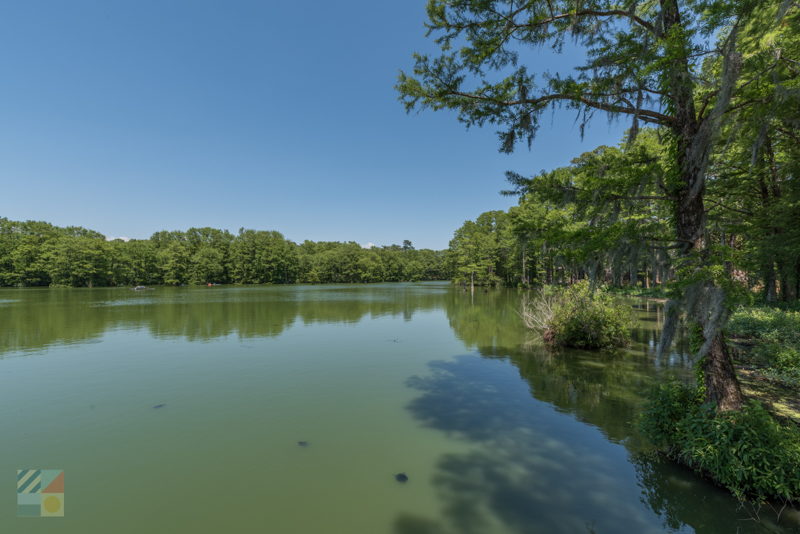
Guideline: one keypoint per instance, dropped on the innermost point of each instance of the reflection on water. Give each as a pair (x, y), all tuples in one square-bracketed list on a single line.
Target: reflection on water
[(532, 470), (507, 436), (39, 318), (604, 389)]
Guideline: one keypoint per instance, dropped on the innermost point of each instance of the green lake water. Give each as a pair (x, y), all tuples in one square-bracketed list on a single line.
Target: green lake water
[(496, 433)]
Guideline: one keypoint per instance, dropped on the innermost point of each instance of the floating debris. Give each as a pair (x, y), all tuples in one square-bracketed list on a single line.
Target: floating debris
[(157, 406), (401, 477), (303, 443)]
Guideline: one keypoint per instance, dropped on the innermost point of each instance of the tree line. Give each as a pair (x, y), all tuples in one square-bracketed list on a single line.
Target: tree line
[(34, 253), (605, 218)]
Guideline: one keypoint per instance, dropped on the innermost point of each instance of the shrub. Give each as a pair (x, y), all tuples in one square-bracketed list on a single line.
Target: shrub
[(666, 407), (582, 318), (746, 451), (537, 311)]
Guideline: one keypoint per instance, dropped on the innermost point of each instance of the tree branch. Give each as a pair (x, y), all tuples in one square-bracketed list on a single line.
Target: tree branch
[(646, 115), (737, 210), (594, 13)]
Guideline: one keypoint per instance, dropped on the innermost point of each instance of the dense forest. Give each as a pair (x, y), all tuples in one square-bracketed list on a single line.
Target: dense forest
[(39, 254), (606, 218)]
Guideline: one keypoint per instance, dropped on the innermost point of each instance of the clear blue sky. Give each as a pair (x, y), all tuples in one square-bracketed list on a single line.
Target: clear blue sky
[(129, 117)]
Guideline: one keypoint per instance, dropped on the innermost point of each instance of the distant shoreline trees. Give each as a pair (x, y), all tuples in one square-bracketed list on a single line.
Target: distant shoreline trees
[(34, 253), (602, 218)]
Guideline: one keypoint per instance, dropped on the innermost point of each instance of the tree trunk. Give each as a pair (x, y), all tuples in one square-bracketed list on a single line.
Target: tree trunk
[(722, 387), (694, 134), (770, 290), (784, 284), (767, 193), (524, 265), (783, 281), (797, 280)]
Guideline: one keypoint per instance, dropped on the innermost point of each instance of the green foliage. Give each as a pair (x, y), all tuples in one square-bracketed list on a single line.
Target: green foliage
[(482, 250), (596, 219), (207, 266), (40, 254), (588, 319), (173, 261), (75, 261), (775, 324), (775, 335), (258, 257), (748, 451), (666, 407)]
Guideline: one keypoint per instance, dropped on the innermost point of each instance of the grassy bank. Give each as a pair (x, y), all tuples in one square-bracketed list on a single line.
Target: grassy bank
[(766, 340), (749, 452), (754, 452)]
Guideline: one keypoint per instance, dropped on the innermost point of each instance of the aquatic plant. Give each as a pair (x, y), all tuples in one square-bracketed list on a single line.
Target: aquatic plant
[(579, 317)]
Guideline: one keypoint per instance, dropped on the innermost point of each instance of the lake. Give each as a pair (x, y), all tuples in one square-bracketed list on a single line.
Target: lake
[(183, 410)]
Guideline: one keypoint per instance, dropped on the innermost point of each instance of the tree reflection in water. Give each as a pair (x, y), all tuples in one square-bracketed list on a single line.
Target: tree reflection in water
[(554, 435), (553, 438)]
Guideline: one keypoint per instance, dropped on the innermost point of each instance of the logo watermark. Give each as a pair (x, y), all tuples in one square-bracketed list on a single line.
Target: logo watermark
[(40, 493)]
